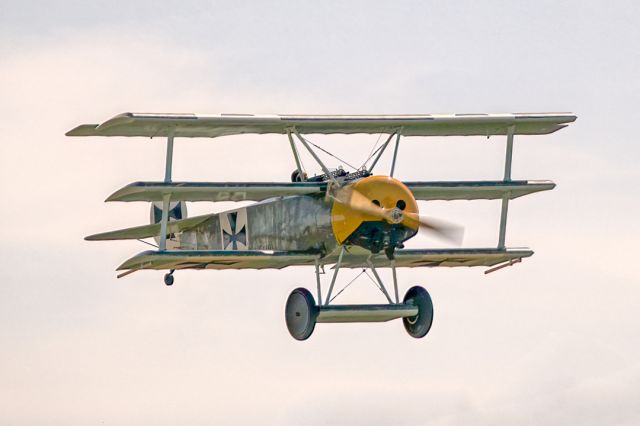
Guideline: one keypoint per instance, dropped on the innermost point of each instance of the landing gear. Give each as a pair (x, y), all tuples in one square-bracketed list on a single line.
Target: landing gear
[(301, 313), (168, 278), (419, 325)]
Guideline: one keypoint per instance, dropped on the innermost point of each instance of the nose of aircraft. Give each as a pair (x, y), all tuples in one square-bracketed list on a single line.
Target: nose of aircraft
[(375, 199)]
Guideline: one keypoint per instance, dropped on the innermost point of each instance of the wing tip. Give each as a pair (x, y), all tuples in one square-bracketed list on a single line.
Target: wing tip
[(113, 197), (121, 118), (96, 129), (83, 130)]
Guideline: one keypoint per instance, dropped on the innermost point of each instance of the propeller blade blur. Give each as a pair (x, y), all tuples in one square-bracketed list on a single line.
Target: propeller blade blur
[(445, 230), (359, 202)]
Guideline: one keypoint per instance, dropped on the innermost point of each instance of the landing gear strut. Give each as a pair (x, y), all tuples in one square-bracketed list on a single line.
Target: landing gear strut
[(168, 278)]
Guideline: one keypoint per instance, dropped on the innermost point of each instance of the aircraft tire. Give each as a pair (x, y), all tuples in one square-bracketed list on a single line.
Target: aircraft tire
[(168, 279), (301, 312), (419, 325)]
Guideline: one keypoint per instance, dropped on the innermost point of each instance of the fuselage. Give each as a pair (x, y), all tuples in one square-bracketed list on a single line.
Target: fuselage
[(300, 223), (309, 223)]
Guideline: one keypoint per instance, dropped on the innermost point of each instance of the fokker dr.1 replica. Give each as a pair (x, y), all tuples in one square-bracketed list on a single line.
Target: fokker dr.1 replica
[(348, 219)]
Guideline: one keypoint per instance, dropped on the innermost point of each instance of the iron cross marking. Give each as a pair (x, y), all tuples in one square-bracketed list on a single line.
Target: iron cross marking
[(237, 235)]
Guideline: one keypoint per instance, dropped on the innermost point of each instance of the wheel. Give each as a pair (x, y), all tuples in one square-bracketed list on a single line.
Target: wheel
[(168, 279), (419, 325), (300, 313)]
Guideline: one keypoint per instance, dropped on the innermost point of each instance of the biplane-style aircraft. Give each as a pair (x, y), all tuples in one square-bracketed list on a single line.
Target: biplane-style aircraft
[(348, 219)]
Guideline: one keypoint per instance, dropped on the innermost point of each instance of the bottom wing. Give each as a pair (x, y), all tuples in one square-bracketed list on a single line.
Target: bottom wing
[(444, 257), (265, 259), (217, 259)]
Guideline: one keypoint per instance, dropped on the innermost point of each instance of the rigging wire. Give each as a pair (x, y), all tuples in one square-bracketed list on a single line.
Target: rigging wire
[(146, 242), (327, 152), (371, 153), (345, 287), (375, 283)]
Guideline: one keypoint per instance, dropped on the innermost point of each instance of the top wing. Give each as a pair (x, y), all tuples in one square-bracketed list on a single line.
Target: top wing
[(200, 125)]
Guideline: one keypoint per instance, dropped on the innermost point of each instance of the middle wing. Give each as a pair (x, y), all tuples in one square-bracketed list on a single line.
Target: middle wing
[(214, 191), (477, 190), (258, 191)]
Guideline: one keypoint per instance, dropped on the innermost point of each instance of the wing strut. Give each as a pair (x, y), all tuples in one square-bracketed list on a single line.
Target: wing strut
[(169, 159), (296, 156), (315, 157), (166, 197), (507, 195), (395, 152), (382, 149)]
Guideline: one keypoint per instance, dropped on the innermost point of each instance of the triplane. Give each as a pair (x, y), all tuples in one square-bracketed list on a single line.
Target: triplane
[(348, 219)]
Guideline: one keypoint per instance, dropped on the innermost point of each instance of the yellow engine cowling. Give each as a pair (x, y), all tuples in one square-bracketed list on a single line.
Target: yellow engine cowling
[(388, 193)]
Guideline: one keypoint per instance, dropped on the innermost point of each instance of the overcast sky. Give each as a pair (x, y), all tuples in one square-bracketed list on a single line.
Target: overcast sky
[(554, 340)]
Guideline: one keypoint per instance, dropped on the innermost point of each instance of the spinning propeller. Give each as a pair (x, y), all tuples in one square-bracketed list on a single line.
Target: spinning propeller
[(355, 200)]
